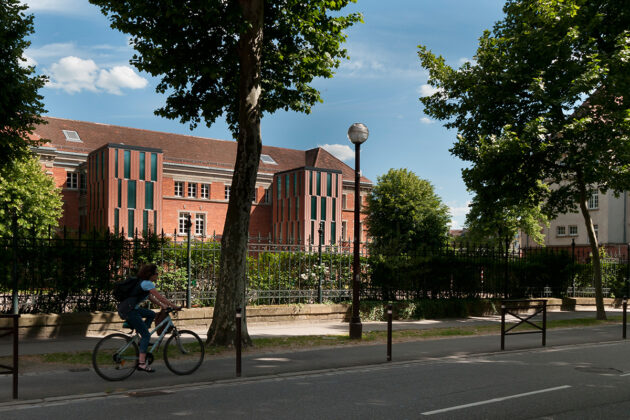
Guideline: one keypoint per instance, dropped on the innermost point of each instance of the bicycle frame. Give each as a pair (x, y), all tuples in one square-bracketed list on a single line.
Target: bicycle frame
[(169, 327)]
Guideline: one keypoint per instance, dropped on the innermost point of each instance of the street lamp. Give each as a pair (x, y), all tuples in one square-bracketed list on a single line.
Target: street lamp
[(357, 134)]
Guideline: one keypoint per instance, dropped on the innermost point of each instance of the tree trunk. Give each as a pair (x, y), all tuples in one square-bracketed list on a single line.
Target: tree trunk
[(597, 267), (233, 262)]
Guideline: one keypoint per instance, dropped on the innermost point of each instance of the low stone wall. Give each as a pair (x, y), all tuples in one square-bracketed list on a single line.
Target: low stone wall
[(99, 323)]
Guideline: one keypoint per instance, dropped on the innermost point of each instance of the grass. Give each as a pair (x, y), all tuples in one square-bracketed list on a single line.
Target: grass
[(273, 344)]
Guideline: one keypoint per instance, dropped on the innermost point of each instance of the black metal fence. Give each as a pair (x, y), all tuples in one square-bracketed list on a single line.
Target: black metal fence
[(76, 272)]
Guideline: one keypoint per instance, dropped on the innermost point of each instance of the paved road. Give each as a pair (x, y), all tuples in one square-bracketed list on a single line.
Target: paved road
[(585, 381)]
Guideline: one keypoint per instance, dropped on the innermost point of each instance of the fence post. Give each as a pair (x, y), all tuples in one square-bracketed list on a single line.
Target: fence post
[(188, 229), (389, 332), (16, 307), (319, 284), (238, 341), (573, 263), (505, 285), (502, 326)]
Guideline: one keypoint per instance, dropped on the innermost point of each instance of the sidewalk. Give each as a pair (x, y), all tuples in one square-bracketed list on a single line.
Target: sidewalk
[(82, 381)]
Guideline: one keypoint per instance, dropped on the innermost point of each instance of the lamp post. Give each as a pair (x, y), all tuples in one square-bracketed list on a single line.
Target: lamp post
[(357, 134)]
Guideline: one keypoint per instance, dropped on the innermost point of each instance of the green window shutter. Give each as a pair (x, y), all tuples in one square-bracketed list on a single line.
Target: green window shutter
[(131, 194), (154, 159), (142, 166), (148, 195), (130, 214), (313, 208), (127, 163)]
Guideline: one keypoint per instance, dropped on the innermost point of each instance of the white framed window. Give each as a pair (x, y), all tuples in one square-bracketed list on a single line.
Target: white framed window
[(268, 160), (200, 224), (561, 231), (344, 205), (72, 180), (72, 136), (205, 191), (267, 198), (593, 201), (227, 192), (183, 218), (573, 230), (179, 189), (192, 189), (344, 230)]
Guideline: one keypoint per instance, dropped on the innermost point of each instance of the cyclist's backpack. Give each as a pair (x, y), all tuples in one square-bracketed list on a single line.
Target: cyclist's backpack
[(124, 289)]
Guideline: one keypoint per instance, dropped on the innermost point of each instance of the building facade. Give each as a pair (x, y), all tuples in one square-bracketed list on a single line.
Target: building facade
[(611, 221), (130, 180)]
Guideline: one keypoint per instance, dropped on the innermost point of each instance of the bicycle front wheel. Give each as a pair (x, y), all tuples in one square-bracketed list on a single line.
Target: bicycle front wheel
[(115, 357), (183, 352)]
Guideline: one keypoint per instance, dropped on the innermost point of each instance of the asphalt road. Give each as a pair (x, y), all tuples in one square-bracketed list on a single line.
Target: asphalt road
[(577, 381)]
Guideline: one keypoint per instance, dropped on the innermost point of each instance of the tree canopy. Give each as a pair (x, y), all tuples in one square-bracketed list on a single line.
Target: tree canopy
[(239, 59), (20, 104), (27, 192), (542, 112), (404, 214), (193, 46)]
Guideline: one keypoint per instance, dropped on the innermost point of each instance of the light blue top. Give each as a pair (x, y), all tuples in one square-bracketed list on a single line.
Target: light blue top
[(146, 285)]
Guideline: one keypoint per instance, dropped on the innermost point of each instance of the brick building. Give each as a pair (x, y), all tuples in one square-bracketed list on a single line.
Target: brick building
[(128, 179)]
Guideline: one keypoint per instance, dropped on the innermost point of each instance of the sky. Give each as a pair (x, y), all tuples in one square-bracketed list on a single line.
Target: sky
[(90, 79)]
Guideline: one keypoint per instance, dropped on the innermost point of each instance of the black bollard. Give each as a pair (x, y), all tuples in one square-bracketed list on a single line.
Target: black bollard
[(389, 333), (625, 315), (502, 327), (239, 316)]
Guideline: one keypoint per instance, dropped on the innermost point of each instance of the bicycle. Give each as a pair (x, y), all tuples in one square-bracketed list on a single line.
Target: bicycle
[(115, 356)]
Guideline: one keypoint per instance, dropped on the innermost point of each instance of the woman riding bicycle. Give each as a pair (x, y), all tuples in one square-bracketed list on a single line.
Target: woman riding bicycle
[(130, 310)]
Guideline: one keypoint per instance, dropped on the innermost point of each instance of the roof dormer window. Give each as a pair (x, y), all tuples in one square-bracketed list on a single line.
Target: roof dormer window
[(268, 160), (72, 136)]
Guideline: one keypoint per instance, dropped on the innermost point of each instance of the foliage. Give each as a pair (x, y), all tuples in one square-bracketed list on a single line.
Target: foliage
[(26, 191), (447, 273), (426, 309), (404, 214), (543, 104), (194, 47), (20, 104)]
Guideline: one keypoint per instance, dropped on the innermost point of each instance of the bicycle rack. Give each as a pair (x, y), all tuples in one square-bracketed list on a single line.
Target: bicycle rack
[(511, 305)]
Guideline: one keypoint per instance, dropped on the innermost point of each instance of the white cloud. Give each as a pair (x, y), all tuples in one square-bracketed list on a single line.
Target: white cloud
[(120, 77), (54, 50), (425, 120), (27, 61), (428, 90), (464, 60), (458, 214), (369, 62), (342, 152), (73, 75), (64, 7)]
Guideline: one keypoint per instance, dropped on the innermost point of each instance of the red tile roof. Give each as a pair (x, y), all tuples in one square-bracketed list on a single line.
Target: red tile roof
[(180, 148)]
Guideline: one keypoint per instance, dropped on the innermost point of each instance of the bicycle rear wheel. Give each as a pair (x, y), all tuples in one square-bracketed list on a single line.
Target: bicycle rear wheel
[(183, 352), (115, 357)]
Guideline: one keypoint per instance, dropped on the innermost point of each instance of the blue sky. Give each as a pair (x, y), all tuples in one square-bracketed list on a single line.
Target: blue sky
[(91, 80)]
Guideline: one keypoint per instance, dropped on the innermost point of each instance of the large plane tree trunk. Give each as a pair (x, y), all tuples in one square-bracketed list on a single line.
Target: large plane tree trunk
[(233, 262), (597, 266)]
